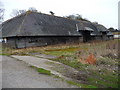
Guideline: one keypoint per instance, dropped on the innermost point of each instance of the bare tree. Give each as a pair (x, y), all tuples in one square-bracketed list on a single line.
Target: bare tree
[(32, 9), (16, 12), (76, 17), (1, 12), (71, 17)]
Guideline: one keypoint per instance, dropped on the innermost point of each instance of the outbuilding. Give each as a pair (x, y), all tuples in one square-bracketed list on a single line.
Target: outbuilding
[(37, 29)]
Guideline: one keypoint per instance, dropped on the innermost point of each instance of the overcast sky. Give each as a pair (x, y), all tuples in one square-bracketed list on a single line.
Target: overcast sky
[(103, 11)]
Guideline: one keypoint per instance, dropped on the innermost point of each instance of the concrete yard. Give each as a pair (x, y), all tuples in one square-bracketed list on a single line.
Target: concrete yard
[(18, 74)]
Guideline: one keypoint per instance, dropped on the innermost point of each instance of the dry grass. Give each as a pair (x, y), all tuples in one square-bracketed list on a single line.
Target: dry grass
[(99, 60), (81, 50)]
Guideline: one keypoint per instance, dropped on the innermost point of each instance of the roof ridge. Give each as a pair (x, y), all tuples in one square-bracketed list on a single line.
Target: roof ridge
[(56, 16), (19, 29)]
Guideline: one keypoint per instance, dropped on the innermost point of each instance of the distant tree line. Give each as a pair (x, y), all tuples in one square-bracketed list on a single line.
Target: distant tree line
[(76, 17)]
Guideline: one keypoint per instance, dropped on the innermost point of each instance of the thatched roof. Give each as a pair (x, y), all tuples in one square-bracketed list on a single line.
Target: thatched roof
[(95, 28), (100, 28), (37, 24), (84, 25)]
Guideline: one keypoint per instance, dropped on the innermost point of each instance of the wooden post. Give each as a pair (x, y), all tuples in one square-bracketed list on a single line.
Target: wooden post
[(16, 43), (25, 42)]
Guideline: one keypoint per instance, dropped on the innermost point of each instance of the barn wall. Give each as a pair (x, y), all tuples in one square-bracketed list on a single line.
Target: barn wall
[(96, 38), (10, 42), (23, 42), (103, 38), (111, 37)]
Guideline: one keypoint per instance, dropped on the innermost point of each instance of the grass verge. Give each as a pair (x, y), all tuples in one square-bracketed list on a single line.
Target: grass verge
[(80, 85), (42, 71)]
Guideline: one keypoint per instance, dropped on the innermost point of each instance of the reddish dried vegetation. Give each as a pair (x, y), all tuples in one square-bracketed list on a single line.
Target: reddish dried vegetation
[(89, 60)]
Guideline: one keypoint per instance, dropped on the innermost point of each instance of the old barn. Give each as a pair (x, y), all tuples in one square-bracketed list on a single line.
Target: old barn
[(37, 29)]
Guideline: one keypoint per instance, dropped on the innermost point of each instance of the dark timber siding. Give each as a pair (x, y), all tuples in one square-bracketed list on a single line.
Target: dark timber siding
[(23, 42)]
